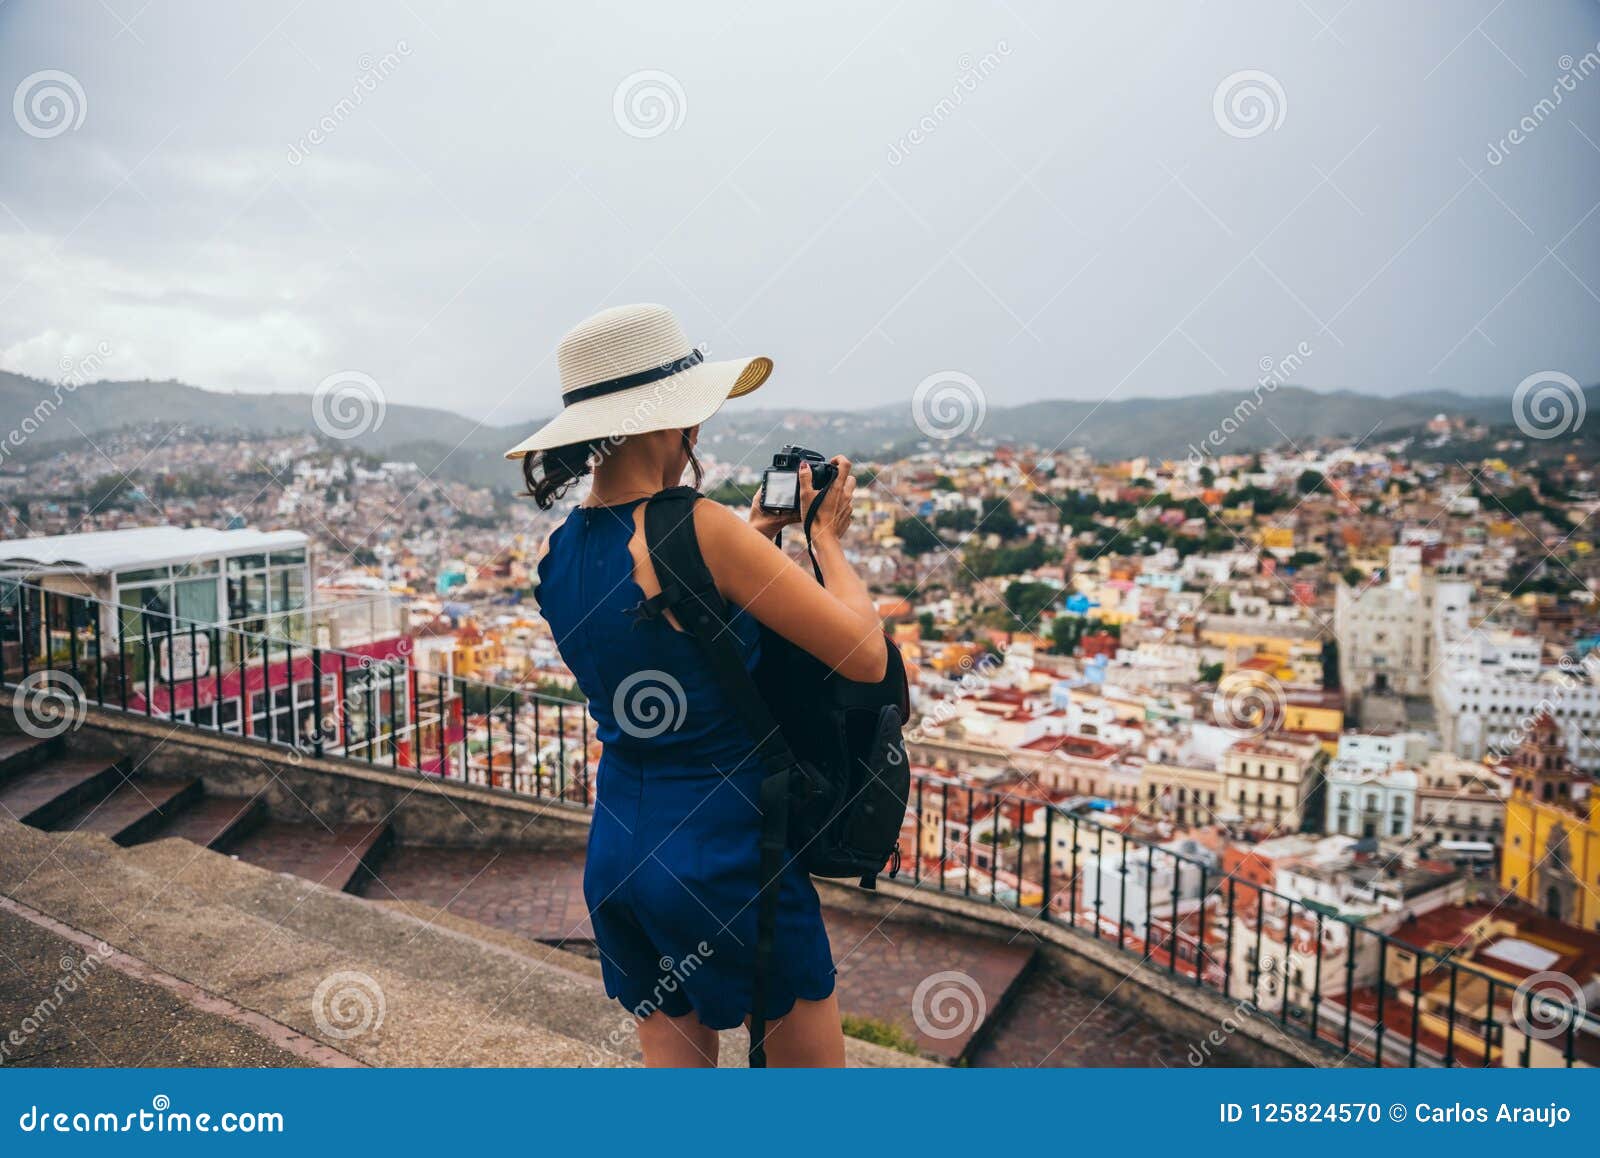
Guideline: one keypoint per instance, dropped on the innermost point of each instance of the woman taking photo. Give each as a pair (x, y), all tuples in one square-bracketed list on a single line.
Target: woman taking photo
[(672, 873)]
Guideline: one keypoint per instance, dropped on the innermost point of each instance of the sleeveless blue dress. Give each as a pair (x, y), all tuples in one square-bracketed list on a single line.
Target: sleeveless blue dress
[(674, 860)]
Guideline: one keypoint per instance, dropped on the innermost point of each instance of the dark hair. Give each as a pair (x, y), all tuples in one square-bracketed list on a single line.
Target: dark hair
[(549, 473)]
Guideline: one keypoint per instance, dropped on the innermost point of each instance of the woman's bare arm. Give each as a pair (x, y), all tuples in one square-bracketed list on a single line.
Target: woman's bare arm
[(837, 623)]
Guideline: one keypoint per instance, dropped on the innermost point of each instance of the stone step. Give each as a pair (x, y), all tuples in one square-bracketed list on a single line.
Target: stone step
[(20, 753), (133, 810), (216, 822), (381, 987), (57, 789), (68, 1006), (341, 857)]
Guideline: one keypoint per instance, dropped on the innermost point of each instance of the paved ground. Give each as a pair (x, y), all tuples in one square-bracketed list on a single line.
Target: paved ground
[(935, 985), (536, 894), (327, 855), (881, 965), (68, 1013), (1052, 1023)]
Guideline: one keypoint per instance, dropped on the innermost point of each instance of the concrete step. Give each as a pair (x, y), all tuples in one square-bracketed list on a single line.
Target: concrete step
[(20, 753), (342, 857), (57, 789), (67, 1006), (286, 949), (216, 822), (133, 810)]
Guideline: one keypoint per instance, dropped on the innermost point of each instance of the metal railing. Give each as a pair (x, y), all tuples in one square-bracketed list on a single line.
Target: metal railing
[(1374, 995), (374, 703)]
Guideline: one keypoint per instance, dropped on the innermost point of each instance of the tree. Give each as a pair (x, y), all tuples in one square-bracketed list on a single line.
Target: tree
[(1211, 673), (1309, 481), (1027, 601), (997, 517), (917, 537), (1304, 558)]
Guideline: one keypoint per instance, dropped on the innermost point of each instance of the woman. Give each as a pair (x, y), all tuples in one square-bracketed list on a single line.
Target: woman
[(673, 866)]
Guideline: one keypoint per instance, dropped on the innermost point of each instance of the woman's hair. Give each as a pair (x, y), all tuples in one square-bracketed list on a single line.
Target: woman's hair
[(549, 473)]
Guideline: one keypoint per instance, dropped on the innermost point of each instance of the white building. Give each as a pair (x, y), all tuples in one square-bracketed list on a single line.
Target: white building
[(1365, 801), (1388, 632)]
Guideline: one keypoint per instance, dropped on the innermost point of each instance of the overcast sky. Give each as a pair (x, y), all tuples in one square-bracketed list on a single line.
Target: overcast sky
[(1087, 213)]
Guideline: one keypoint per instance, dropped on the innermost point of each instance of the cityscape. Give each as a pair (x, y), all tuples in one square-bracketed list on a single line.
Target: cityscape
[(1312, 726)]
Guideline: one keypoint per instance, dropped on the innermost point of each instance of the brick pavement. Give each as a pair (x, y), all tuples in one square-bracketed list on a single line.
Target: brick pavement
[(539, 894), (328, 855)]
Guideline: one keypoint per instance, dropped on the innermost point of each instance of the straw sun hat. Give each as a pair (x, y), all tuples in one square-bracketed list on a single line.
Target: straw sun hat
[(630, 370)]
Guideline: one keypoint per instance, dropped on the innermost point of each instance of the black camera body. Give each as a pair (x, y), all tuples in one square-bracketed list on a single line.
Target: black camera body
[(780, 483)]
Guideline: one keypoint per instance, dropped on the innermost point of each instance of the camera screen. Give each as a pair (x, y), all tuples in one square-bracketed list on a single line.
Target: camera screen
[(781, 490)]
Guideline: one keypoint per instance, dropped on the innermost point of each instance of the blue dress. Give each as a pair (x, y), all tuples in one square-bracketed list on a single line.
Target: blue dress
[(674, 859)]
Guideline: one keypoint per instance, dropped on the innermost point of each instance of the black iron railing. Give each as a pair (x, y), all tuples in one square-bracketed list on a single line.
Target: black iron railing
[(1381, 992), (374, 703)]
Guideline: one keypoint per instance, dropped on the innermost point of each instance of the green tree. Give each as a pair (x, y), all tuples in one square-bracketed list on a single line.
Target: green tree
[(917, 537), (1027, 601)]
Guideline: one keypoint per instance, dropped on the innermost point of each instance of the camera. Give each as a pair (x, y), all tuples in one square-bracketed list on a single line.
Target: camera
[(780, 483)]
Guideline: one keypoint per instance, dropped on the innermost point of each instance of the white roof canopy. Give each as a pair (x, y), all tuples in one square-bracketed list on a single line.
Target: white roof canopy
[(98, 552)]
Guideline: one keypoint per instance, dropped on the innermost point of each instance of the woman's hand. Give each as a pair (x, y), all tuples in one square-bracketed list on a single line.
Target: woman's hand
[(768, 523), (837, 505)]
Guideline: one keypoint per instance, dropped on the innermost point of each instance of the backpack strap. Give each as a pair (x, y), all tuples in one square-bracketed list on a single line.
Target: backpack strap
[(690, 593)]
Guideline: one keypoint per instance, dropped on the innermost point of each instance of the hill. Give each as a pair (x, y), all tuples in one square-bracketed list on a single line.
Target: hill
[(47, 415)]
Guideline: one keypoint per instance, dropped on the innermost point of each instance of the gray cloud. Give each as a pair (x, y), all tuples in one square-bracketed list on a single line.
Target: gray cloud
[(1039, 196)]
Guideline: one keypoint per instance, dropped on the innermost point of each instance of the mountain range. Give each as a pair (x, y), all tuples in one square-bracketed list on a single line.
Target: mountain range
[(40, 416)]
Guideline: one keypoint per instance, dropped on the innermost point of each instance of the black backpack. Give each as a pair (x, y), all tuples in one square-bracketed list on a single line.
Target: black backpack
[(837, 782)]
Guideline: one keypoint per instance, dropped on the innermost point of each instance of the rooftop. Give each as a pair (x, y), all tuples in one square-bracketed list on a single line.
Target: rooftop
[(97, 552)]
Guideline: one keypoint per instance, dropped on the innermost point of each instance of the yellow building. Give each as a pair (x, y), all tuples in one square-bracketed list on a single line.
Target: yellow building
[(1552, 840)]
